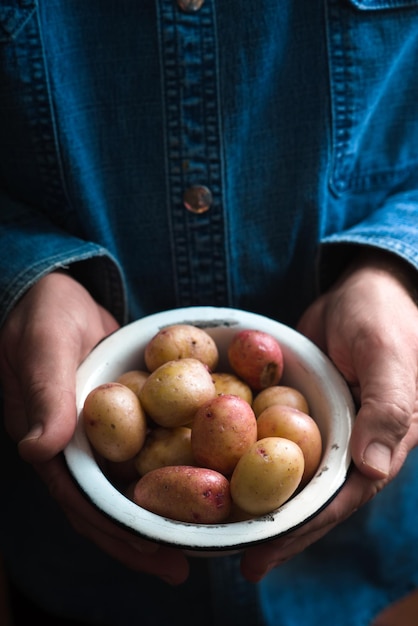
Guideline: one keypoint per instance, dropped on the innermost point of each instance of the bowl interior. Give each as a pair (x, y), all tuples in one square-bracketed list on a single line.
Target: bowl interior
[(306, 368)]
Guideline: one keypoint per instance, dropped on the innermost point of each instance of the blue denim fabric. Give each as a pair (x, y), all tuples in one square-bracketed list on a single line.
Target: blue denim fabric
[(301, 118)]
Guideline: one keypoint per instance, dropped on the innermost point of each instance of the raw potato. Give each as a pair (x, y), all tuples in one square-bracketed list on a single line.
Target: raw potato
[(223, 429), (256, 357), (279, 394), (134, 379), (288, 422), (114, 421), (267, 475), (227, 383), (202, 456), (181, 341), (188, 494), (165, 446), (174, 391)]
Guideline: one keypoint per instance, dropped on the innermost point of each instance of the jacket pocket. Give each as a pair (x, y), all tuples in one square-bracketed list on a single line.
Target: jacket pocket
[(373, 60), (14, 14)]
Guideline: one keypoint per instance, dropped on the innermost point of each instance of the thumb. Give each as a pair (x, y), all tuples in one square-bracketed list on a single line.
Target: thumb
[(49, 431), (387, 395), (45, 337), (50, 409), (48, 387), (40, 382)]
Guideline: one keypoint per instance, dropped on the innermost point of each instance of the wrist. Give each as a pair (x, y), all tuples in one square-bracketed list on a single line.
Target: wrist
[(376, 261)]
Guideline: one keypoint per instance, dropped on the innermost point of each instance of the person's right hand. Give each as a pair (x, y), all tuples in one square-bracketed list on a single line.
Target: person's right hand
[(44, 339)]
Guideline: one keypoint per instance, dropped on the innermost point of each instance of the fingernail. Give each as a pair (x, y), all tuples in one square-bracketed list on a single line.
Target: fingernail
[(378, 456), (34, 433)]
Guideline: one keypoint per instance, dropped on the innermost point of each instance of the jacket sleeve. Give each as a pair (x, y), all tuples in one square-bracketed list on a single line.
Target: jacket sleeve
[(31, 247), (393, 228)]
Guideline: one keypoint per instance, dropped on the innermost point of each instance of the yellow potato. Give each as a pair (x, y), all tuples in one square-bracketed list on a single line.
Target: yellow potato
[(174, 391), (188, 494), (267, 475), (227, 383), (134, 379), (223, 429), (114, 421), (165, 446), (279, 394), (181, 341), (285, 421)]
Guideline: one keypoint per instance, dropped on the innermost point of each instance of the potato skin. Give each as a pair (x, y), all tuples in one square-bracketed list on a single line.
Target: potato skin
[(165, 446), (267, 475), (188, 494), (174, 391), (226, 383), (223, 429), (288, 422), (134, 379), (279, 394), (180, 341), (256, 357), (114, 421)]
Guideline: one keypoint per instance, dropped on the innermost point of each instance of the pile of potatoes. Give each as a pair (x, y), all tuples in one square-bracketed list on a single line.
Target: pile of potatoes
[(202, 446)]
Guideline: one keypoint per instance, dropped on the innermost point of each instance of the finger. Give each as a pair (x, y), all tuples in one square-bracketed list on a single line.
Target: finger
[(133, 551), (257, 561), (311, 324), (108, 322)]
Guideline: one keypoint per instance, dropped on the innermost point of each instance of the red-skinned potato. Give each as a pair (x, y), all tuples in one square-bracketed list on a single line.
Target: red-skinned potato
[(267, 475), (288, 422), (181, 341), (188, 494), (114, 421), (223, 429), (256, 357), (279, 394)]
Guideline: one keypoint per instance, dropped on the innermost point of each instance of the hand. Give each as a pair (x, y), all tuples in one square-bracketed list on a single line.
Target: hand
[(368, 325), (46, 336)]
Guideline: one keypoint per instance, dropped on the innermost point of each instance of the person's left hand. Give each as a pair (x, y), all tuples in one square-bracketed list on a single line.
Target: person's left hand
[(368, 325)]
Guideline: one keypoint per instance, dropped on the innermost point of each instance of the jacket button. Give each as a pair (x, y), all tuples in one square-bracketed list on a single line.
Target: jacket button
[(189, 6), (197, 199)]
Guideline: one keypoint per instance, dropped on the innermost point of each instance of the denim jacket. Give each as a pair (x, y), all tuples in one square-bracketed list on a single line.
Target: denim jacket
[(294, 123), (300, 118)]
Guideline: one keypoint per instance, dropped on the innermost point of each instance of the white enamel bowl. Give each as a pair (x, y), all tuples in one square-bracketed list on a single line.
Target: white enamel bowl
[(306, 368)]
